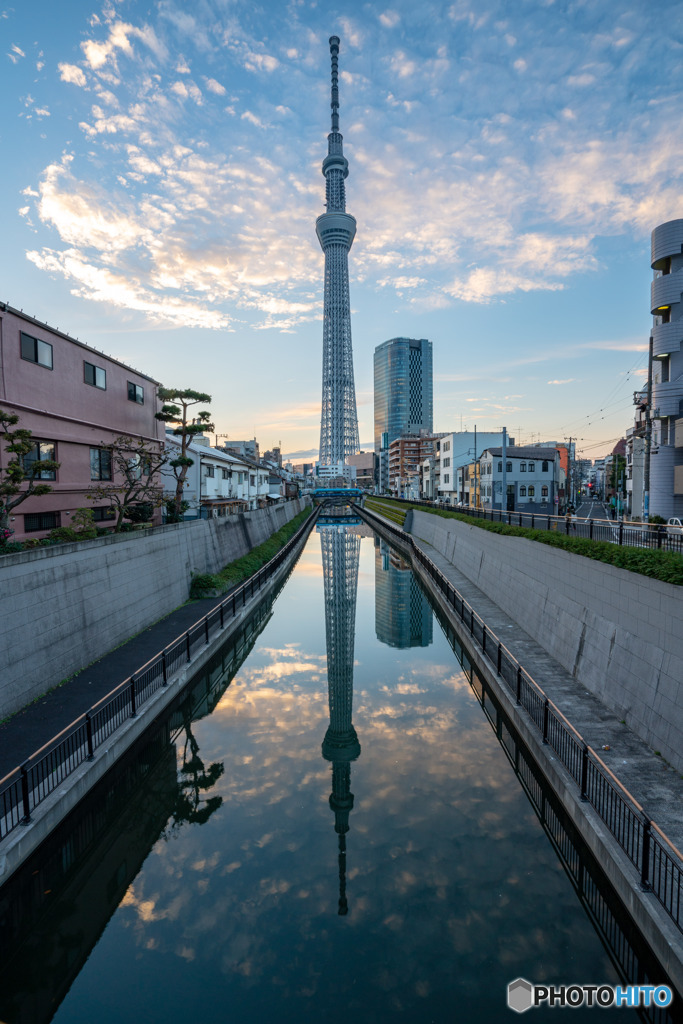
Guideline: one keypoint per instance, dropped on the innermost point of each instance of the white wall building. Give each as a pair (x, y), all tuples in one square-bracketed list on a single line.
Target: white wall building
[(531, 479), (217, 483), (666, 306)]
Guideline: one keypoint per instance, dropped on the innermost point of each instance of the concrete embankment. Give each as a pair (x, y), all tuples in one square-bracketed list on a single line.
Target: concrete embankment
[(617, 633), (63, 607), (653, 783), (21, 842)]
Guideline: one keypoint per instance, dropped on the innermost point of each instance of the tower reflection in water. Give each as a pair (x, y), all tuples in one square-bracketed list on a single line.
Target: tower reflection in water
[(340, 537)]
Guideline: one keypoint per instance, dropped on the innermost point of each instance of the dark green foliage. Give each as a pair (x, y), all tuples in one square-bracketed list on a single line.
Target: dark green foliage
[(140, 512), (666, 566), (205, 584)]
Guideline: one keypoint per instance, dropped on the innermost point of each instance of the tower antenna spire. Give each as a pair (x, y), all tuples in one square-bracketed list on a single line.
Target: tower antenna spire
[(334, 53)]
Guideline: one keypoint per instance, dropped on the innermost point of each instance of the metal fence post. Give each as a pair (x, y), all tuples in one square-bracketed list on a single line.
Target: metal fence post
[(24, 793), (133, 703), (546, 715), (206, 628), (621, 531), (645, 867), (584, 772), (500, 655), (187, 644), (590, 529), (519, 685), (472, 621), (164, 669), (483, 638), (88, 729)]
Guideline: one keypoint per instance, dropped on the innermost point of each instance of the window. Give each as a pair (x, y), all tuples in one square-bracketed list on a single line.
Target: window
[(544, 467), (139, 466), (42, 451), (94, 375), (508, 467), (522, 467), (227, 474), (532, 491), (252, 481), (40, 521), (446, 478), (532, 467), (102, 513), (100, 464), (445, 463), (522, 491), (135, 393), (209, 471), (36, 351), (447, 446), (500, 466), (544, 491)]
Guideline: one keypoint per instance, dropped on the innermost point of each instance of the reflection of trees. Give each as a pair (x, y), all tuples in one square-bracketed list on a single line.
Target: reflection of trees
[(193, 780)]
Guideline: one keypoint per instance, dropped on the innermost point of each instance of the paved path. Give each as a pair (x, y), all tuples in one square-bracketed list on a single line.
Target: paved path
[(29, 729), (655, 785)]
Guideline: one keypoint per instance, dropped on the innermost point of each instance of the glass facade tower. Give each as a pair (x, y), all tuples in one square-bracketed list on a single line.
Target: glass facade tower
[(403, 393)]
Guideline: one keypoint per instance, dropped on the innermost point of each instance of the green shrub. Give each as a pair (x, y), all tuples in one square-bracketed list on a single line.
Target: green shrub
[(666, 566), (62, 535)]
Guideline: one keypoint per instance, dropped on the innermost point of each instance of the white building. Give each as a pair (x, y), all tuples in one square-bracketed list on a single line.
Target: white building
[(217, 483), (531, 479), (666, 306)]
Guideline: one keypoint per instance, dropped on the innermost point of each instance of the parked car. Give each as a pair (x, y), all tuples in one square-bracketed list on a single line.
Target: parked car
[(674, 525)]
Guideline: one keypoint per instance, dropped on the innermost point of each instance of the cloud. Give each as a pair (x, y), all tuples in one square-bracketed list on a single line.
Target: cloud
[(72, 73), (567, 380), (389, 19), (213, 86), (98, 54)]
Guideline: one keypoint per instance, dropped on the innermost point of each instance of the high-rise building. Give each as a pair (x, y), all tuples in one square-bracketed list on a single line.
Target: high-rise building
[(666, 378), (336, 230), (403, 616), (403, 394)]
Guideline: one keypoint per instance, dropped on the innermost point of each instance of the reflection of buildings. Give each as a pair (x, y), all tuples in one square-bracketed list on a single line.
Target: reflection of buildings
[(340, 552), (403, 616)]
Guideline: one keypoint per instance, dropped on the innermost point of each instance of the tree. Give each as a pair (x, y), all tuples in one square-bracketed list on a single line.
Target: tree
[(26, 466), (135, 463), (176, 411)]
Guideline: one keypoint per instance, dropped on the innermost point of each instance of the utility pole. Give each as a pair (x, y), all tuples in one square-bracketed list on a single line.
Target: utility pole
[(504, 496), (475, 466), (648, 438), (569, 472)]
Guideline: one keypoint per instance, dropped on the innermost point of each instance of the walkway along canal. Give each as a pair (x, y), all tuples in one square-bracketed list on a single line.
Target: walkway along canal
[(325, 826)]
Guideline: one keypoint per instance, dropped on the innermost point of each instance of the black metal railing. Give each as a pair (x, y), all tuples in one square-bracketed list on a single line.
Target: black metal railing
[(612, 531), (45, 770), (658, 861)]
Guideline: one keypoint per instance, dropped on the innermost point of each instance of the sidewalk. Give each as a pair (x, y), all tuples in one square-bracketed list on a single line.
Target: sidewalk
[(36, 724)]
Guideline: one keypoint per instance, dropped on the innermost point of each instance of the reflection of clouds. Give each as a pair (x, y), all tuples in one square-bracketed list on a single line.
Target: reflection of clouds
[(444, 843)]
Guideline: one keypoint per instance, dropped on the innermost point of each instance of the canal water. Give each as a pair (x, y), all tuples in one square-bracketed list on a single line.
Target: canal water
[(335, 824)]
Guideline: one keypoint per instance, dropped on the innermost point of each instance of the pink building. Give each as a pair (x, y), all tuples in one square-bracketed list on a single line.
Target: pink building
[(73, 399)]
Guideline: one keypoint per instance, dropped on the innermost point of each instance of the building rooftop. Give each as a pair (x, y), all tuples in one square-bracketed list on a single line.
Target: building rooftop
[(5, 307)]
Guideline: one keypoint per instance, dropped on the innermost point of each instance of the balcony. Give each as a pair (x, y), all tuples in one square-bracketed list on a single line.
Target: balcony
[(666, 291), (667, 338), (667, 397)]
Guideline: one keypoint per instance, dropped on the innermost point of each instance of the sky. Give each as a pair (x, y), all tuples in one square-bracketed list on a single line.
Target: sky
[(162, 176)]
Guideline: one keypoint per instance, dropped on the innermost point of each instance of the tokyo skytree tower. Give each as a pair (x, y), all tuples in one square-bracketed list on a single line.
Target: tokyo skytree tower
[(336, 230)]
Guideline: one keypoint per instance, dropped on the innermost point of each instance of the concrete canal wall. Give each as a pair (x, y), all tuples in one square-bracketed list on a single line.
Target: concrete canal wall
[(618, 633), (64, 607)]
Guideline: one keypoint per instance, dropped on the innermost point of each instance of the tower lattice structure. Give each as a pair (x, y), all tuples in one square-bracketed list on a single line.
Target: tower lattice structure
[(336, 230), (340, 556)]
